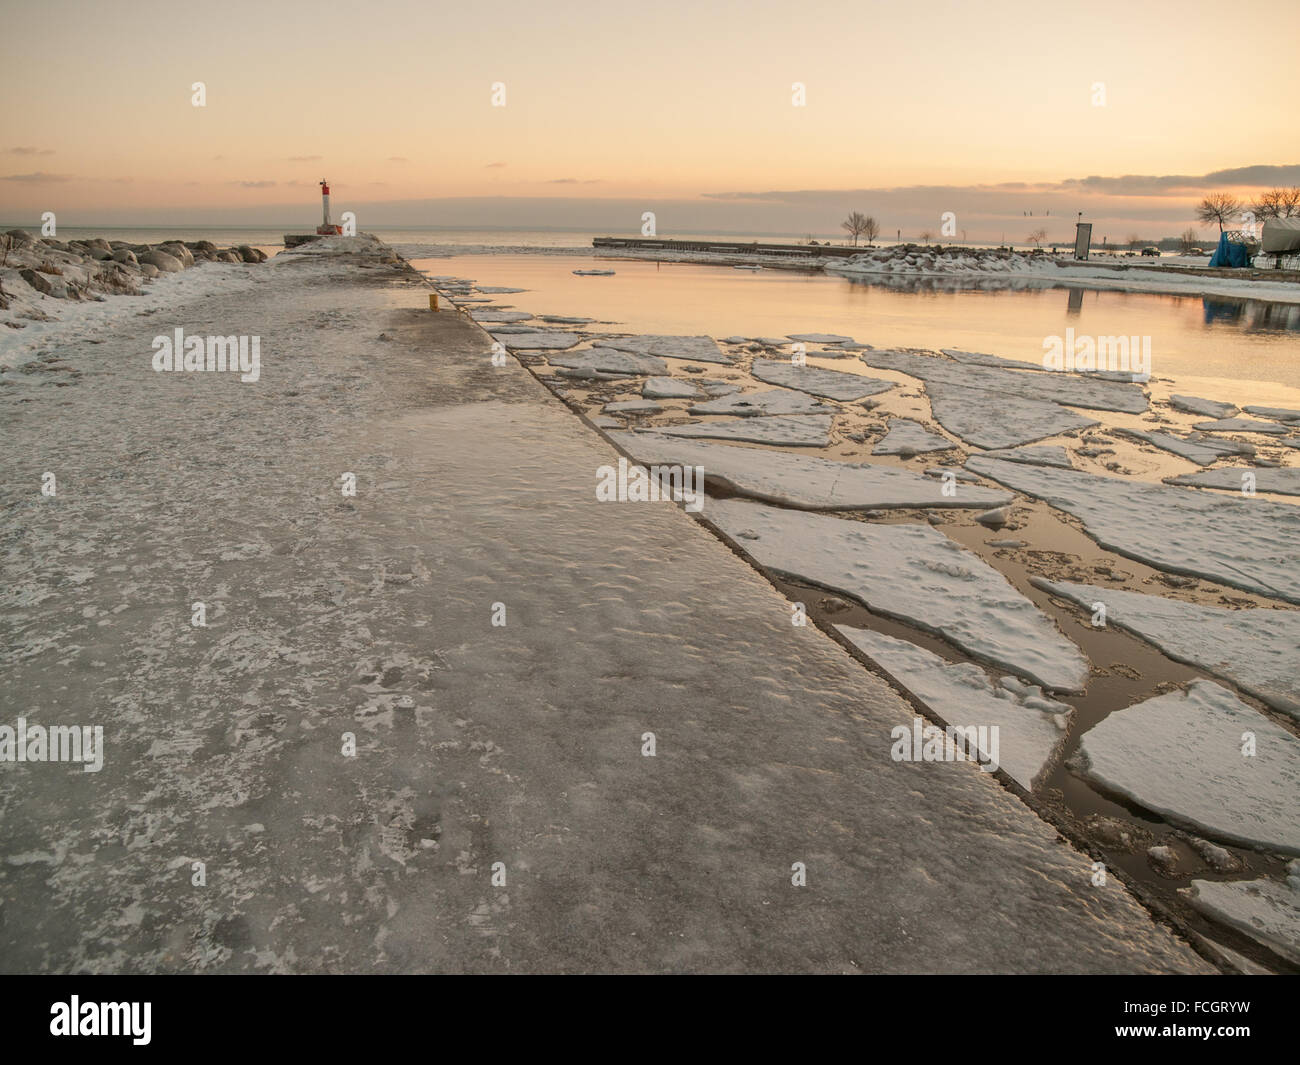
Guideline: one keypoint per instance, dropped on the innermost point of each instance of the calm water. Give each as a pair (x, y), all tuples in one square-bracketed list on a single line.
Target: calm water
[(1240, 351)]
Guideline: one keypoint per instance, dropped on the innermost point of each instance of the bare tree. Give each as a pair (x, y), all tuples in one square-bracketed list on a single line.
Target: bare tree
[(1277, 203), (1133, 241), (856, 226), (1188, 239), (1037, 237), (927, 235), (1218, 207), (871, 230)]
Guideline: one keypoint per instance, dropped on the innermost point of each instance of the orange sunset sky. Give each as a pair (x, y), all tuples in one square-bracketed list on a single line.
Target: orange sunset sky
[(985, 109)]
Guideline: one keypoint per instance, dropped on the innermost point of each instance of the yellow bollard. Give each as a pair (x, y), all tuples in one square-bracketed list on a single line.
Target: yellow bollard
[(433, 301)]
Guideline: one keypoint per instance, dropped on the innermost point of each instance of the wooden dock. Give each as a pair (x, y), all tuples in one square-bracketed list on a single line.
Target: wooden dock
[(802, 251)]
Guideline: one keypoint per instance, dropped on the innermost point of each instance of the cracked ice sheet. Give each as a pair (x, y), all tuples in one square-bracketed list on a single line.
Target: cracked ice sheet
[(906, 437), (1203, 450), (1092, 391), (1266, 910), (820, 338), (1029, 733), (1252, 544), (1045, 455), (551, 340), (913, 573), (1254, 649), (1180, 755), (832, 384), (696, 349), (610, 361), (1282, 414), (980, 359), (812, 431), (1284, 481), (770, 401), (799, 481)]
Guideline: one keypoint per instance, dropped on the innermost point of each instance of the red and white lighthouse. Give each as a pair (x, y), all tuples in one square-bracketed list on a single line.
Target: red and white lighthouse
[(326, 228)]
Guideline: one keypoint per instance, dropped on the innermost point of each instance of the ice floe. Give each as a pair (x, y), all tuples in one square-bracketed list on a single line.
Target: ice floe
[(562, 319), (915, 574), (1285, 481), (768, 401), (820, 338), (832, 384), (1030, 727), (1197, 448), (695, 348), (669, 388), (803, 481), (906, 437), (781, 431), (1241, 425), (1090, 390), (632, 406), (500, 316), (1281, 414), (1266, 910), (551, 340), (1210, 408), (1247, 543), (1257, 649), (610, 361), (1043, 455), (992, 420), (1182, 756)]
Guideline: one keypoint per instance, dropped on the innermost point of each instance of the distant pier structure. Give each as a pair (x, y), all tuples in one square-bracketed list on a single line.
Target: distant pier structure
[(802, 251), (325, 229)]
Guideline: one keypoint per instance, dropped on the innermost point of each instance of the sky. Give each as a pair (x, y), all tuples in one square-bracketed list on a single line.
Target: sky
[(584, 115)]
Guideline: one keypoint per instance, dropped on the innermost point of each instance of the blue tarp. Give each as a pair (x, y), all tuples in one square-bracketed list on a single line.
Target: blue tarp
[(1229, 254)]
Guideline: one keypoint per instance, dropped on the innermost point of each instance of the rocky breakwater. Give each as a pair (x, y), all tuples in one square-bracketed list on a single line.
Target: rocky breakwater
[(33, 269)]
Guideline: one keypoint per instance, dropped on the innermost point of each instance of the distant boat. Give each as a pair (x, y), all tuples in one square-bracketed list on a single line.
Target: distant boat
[(594, 273)]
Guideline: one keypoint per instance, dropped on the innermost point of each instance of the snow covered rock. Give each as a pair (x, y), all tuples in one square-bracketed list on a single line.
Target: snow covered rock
[(915, 574), (1181, 755)]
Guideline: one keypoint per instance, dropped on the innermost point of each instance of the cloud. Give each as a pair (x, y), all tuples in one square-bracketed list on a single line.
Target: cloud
[(493, 166), (39, 175), (1158, 185), (563, 181), (253, 184), (30, 151), (398, 159), (305, 158)]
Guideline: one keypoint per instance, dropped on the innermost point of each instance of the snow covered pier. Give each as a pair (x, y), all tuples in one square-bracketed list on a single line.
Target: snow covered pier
[(445, 710)]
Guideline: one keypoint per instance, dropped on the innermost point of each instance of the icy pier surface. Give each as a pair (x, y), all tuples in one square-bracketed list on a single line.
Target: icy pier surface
[(371, 617)]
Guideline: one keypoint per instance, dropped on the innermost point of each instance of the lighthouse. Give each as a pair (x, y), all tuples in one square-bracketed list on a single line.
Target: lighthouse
[(326, 228)]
